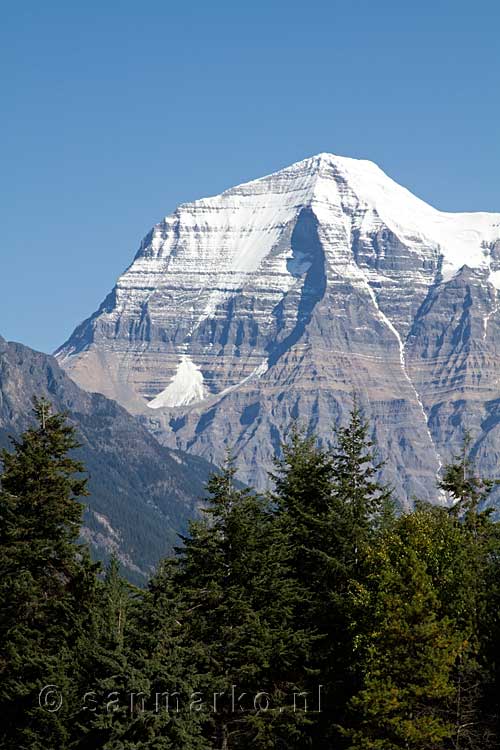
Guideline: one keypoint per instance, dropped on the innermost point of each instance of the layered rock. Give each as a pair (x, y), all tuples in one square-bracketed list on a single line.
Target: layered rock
[(278, 299)]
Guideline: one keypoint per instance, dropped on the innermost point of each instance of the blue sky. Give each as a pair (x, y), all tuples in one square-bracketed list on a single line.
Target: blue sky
[(114, 112)]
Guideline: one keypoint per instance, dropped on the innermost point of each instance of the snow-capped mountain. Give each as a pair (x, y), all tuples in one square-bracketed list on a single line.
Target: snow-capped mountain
[(277, 299)]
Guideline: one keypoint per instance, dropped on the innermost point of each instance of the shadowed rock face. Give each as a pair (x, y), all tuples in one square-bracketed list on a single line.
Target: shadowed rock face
[(142, 494), (277, 299)]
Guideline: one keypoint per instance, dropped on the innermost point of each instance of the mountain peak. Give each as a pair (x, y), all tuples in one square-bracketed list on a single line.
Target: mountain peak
[(275, 299), (330, 183), (324, 164)]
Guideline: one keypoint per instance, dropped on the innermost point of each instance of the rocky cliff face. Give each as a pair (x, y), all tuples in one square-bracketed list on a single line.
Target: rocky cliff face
[(277, 299), (142, 493)]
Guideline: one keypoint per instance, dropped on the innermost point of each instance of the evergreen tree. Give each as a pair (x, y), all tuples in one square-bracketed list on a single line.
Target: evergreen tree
[(407, 654), (443, 548), (104, 718), (236, 612), (365, 504), (330, 504), (477, 705), (309, 518), (466, 490), (266, 599), (143, 670), (303, 496), (47, 581)]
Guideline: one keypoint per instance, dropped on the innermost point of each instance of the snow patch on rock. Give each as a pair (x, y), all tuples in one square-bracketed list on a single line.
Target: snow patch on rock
[(186, 387), (494, 278)]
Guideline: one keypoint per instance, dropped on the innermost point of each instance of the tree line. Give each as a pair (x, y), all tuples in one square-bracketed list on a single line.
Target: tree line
[(317, 615)]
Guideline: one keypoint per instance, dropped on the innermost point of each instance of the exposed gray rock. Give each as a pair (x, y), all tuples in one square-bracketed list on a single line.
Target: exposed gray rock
[(277, 299)]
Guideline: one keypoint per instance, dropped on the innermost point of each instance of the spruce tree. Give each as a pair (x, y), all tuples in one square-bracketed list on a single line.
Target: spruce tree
[(330, 503), (103, 718), (236, 608), (158, 675), (466, 490), (477, 705), (364, 502), (47, 581)]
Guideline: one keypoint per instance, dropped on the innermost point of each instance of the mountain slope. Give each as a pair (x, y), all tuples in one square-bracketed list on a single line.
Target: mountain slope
[(142, 493), (277, 299)]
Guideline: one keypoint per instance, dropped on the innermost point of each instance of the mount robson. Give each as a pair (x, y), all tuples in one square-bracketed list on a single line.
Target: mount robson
[(279, 299)]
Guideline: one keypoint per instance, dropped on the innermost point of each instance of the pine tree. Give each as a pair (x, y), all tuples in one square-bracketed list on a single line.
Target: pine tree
[(164, 657), (407, 654), (303, 480), (466, 490), (330, 503), (107, 677), (236, 611), (364, 502), (47, 581), (477, 706), (443, 547)]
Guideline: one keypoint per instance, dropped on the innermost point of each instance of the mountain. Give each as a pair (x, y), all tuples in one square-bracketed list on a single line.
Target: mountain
[(279, 298), (142, 493)]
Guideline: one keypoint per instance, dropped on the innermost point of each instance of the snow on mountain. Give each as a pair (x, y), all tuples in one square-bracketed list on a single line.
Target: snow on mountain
[(277, 298), (185, 388), (255, 212)]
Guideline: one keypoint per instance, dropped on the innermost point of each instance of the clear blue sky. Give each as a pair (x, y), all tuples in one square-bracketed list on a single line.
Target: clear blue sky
[(114, 112)]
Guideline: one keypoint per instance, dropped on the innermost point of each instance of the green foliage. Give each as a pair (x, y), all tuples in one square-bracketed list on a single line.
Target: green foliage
[(477, 709), (47, 582), (466, 490), (237, 605), (266, 599), (408, 653), (427, 642)]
